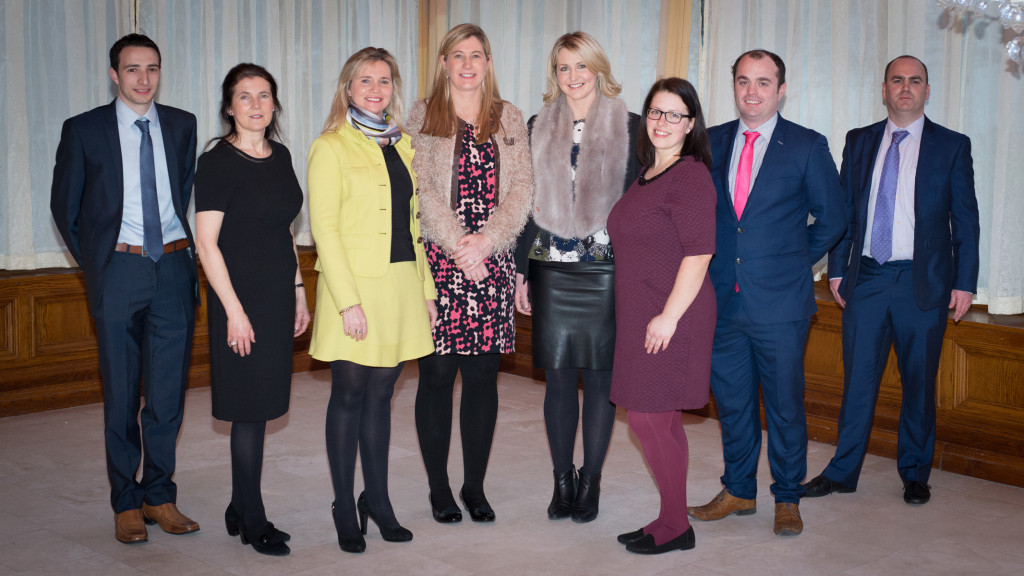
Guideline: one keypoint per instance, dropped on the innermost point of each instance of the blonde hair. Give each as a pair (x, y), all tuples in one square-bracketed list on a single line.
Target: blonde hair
[(339, 106), (590, 52), (440, 119)]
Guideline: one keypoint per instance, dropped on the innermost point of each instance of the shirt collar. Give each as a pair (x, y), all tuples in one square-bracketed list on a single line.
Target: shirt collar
[(126, 117), (764, 130), (915, 128)]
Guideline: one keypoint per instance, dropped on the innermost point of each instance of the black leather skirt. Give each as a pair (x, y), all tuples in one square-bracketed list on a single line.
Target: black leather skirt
[(573, 314)]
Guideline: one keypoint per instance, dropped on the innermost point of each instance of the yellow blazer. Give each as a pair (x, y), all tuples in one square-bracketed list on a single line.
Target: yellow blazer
[(350, 215)]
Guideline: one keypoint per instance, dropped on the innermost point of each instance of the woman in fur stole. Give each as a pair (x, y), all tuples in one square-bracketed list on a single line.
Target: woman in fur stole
[(583, 145)]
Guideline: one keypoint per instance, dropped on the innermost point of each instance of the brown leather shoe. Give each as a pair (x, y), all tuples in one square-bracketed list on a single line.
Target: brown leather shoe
[(787, 519), (129, 527), (168, 517), (722, 505)]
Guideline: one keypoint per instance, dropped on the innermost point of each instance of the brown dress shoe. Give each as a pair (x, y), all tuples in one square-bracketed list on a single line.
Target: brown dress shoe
[(722, 505), (168, 517), (129, 527), (787, 519)]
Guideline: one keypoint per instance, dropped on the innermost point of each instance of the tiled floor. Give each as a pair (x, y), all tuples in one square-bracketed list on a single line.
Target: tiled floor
[(55, 516)]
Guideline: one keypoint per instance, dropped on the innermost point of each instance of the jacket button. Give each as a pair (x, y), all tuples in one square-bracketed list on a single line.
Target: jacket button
[(417, 215), (739, 230), (739, 260), (420, 240)]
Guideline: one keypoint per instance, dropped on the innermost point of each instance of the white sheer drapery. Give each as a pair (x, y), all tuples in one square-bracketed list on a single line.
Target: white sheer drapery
[(835, 54), (54, 65)]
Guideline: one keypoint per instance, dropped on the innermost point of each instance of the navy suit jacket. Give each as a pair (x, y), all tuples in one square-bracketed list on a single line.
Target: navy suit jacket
[(769, 252), (946, 224), (87, 196)]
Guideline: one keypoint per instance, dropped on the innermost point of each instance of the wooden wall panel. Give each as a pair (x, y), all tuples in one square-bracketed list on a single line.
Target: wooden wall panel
[(48, 361)]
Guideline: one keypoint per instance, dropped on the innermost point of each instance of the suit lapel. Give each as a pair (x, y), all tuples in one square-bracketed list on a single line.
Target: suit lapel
[(770, 163), (924, 160), (171, 154), (868, 153), (724, 147), (114, 144)]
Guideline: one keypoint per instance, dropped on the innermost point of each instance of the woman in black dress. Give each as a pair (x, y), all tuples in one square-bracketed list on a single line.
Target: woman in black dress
[(246, 198)]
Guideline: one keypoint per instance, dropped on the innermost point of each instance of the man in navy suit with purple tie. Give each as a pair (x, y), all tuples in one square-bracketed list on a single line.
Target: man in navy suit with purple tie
[(121, 187), (771, 175), (910, 254)]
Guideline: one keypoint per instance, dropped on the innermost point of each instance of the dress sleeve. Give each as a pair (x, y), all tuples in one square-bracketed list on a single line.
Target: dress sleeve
[(214, 184), (691, 202)]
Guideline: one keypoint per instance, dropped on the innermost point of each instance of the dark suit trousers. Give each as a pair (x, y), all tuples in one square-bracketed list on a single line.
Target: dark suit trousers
[(881, 312), (744, 355), (144, 330)]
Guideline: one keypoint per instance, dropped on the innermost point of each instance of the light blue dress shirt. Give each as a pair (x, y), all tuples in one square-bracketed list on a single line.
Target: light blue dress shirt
[(760, 147), (131, 138)]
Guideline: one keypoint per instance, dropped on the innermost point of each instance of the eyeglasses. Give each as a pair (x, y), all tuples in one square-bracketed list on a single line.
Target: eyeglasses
[(670, 117)]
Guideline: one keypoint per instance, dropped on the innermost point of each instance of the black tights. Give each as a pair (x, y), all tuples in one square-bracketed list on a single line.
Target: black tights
[(359, 416), (561, 417), (477, 416), (246, 469)]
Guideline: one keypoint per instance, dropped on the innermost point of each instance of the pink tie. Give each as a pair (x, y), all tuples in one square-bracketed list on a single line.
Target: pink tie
[(742, 189)]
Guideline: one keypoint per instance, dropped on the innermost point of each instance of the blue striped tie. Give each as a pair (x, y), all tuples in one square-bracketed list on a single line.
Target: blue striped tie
[(885, 202), (152, 237)]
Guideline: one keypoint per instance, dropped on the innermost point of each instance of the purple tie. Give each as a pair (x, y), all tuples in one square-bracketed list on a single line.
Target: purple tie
[(885, 203)]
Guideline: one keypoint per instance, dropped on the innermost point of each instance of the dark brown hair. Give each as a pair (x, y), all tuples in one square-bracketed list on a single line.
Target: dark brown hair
[(696, 143), (227, 93), (757, 54), (131, 40)]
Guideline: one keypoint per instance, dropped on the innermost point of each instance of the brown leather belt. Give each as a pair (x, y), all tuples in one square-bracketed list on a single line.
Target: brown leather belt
[(168, 248)]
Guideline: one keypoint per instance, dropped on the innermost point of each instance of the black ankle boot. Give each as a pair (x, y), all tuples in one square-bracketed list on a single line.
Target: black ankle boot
[(564, 496), (584, 509)]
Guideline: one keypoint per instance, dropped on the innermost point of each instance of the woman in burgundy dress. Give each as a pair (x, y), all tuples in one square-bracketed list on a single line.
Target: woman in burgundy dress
[(663, 230), (476, 187)]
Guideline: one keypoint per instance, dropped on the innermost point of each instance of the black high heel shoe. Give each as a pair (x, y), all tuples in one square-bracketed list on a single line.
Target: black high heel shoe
[(449, 513), (351, 544), (393, 534), (233, 522), (477, 506), (267, 543)]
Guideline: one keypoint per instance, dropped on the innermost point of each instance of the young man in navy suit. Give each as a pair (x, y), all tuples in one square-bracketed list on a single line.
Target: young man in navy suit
[(770, 174), (121, 187), (910, 254)]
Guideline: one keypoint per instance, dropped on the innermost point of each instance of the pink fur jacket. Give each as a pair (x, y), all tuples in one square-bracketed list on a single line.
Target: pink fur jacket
[(435, 163)]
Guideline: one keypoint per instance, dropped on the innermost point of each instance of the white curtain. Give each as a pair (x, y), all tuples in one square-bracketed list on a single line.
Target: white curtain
[(522, 33), (54, 62), (836, 53)]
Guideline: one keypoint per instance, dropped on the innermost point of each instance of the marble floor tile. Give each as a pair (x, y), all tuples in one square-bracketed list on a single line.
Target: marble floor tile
[(55, 513)]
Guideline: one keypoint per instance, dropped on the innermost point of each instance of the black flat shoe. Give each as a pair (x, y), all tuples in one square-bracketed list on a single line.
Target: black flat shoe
[(351, 544), (916, 493), (445, 512), (630, 537), (266, 543), (233, 522), (393, 534), (646, 545), (584, 509), (477, 506), (564, 495), (822, 485)]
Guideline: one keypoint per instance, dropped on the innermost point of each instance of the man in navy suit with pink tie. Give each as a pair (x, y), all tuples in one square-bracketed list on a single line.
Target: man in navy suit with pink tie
[(771, 175), (121, 187), (909, 256)]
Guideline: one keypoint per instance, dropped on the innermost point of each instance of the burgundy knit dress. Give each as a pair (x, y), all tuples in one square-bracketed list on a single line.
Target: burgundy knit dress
[(653, 227)]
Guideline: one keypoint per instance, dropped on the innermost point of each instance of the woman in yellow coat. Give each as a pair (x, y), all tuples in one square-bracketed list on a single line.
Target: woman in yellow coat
[(375, 295)]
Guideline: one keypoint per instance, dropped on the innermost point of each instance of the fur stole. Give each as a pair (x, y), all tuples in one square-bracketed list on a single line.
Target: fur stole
[(600, 167)]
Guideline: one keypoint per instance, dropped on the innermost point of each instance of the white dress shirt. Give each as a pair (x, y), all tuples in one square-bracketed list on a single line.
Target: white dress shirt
[(903, 214)]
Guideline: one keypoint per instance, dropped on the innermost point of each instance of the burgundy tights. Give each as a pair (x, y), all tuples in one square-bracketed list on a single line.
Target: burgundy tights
[(664, 443)]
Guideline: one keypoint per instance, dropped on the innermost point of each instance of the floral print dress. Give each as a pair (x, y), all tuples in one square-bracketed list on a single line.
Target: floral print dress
[(474, 317)]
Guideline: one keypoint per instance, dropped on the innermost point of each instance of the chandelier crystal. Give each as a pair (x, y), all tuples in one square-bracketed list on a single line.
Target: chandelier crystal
[(1011, 17)]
